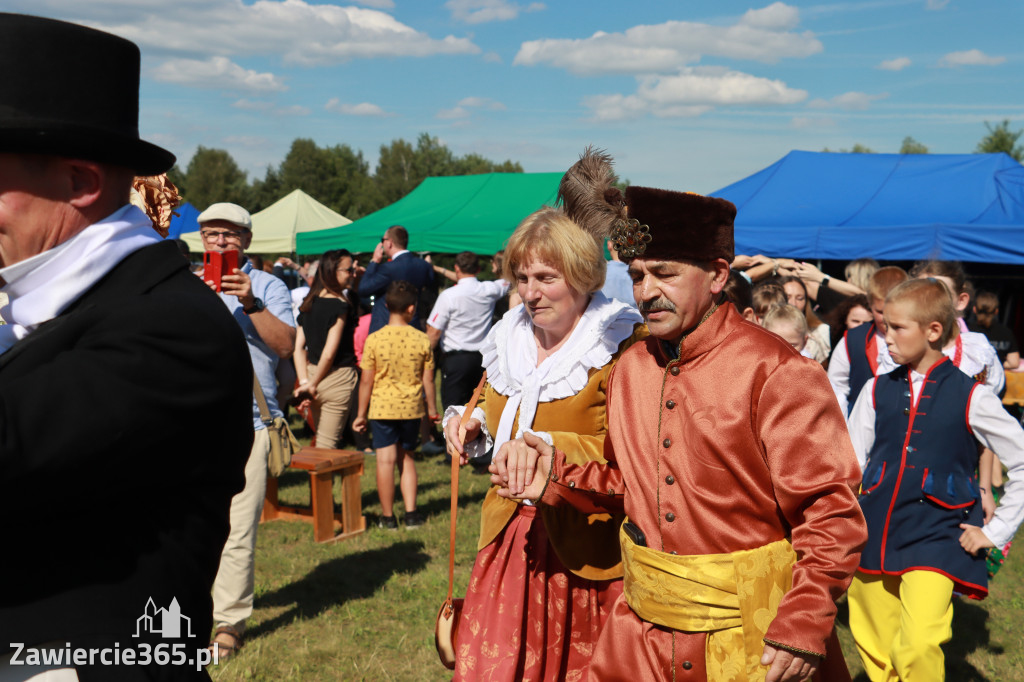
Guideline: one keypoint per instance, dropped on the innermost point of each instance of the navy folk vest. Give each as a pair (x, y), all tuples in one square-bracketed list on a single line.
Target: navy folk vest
[(921, 482), (862, 359)]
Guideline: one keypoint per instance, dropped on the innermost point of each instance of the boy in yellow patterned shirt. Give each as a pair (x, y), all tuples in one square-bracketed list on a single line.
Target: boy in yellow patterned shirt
[(398, 377)]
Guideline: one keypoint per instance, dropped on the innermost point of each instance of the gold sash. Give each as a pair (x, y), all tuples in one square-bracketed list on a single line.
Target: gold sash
[(733, 597)]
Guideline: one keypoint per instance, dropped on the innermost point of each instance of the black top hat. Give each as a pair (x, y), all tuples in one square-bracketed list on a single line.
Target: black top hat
[(72, 91)]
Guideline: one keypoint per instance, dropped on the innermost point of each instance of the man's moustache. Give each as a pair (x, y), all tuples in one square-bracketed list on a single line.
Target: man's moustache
[(657, 304)]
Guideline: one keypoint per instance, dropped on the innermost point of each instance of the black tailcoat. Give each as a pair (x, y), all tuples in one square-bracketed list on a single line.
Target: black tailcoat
[(125, 424)]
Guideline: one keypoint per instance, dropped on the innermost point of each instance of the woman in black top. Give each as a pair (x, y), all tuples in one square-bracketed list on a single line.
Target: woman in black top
[(325, 358)]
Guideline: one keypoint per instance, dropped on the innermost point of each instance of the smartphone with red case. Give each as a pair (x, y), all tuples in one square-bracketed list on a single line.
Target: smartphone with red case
[(216, 264)]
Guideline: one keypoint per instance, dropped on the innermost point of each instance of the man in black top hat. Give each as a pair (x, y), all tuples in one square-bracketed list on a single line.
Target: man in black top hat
[(125, 385)]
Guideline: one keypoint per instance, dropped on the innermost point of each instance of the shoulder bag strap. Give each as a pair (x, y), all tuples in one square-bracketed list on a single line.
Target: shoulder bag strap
[(466, 416), (261, 401)]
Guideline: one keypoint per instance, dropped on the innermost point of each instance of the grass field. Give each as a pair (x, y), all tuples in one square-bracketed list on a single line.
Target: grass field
[(364, 608)]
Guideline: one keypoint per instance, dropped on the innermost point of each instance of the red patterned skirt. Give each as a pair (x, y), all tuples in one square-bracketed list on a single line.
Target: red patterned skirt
[(527, 617)]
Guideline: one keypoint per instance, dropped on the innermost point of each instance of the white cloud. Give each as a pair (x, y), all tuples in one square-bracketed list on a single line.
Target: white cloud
[(970, 58), (493, 57), (253, 105), (295, 30), (482, 103), (216, 73), (776, 16), (692, 92), (897, 64), (764, 35), (463, 109), (378, 4), (361, 109), (937, 4), (453, 114), (482, 11), (848, 101)]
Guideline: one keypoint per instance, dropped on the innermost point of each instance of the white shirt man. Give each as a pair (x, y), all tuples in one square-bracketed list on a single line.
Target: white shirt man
[(460, 321)]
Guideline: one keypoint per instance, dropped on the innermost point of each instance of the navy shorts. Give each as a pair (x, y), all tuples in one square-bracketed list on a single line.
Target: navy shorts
[(390, 431)]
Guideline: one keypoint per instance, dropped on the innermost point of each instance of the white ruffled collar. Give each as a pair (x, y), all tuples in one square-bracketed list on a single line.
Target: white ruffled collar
[(510, 358)]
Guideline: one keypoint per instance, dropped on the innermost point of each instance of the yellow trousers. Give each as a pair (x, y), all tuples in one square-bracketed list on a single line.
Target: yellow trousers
[(899, 623)]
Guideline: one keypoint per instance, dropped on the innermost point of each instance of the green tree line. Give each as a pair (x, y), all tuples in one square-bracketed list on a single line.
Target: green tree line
[(999, 139), (338, 177)]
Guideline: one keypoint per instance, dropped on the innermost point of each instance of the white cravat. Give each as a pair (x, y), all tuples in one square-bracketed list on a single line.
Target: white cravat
[(41, 287)]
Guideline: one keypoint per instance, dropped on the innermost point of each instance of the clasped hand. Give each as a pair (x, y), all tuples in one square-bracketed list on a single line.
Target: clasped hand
[(521, 467)]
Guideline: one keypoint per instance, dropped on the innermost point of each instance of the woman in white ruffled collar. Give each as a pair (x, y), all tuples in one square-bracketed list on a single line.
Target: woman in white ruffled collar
[(544, 578)]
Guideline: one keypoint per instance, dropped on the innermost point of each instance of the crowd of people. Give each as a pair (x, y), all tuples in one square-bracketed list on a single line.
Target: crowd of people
[(693, 454)]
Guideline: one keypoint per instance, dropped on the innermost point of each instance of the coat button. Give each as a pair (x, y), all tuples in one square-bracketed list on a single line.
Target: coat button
[(906, 394), (670, 479), (670, 517), (670, 404), (906, 410), (674, 552), (667, 442), (572, 484), (554, 477), (675, 371), (687, 665), (910, 448), (611, 492)]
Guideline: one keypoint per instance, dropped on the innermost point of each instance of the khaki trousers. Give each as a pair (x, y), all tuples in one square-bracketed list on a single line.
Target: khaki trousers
[(233, 588), (336, 395)]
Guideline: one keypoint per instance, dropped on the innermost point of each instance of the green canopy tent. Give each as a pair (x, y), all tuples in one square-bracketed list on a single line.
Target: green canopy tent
[(448, 214), (274, 228)]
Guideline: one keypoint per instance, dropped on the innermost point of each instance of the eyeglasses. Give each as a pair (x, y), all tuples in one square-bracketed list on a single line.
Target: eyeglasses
[(215, 235)]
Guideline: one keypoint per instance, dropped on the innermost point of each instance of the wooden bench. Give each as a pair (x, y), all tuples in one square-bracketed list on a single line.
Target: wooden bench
[(322, 465)]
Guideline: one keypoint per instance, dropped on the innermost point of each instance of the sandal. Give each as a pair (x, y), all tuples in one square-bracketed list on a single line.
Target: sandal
[(222, 651)]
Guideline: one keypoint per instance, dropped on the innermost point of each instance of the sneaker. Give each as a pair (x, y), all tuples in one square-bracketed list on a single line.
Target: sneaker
[(414, 519), (388, 522)]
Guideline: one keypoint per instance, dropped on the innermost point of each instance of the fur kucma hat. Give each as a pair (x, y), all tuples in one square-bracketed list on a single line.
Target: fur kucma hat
[(668, 225)]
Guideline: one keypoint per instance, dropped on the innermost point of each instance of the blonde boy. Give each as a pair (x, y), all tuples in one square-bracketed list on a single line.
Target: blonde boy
[(914, 430), (861, 354), (398, 373)]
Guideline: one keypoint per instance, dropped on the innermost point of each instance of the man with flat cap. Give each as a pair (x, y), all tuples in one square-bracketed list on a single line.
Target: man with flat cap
[(125, 385), (733, 463)]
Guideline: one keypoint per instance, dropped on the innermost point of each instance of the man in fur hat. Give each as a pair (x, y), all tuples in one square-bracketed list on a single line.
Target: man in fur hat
[(731, 458), (125, 385)]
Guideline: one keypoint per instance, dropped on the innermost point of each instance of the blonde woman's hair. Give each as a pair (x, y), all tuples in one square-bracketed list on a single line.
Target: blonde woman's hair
[(930, 301), (858, 272), (549, 236)]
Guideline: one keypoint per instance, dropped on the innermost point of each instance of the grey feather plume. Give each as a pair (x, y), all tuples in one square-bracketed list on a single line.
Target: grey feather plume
[(589, 195)]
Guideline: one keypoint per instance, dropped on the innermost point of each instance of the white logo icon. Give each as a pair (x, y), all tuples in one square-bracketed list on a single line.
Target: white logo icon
[(165, 622)]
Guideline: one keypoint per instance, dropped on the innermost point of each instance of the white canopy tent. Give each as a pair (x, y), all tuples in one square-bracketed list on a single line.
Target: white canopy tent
[(274, 228)]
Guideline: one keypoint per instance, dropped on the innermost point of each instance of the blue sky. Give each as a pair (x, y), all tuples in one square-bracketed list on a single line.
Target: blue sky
[(685, 95)]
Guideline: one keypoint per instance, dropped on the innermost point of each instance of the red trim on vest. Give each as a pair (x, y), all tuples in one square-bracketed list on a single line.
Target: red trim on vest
[(903, 452), (871, 349), (967, 412)]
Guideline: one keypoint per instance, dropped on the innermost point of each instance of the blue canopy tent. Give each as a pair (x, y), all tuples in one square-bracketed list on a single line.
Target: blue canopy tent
[(811, 205), (186, 220)]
